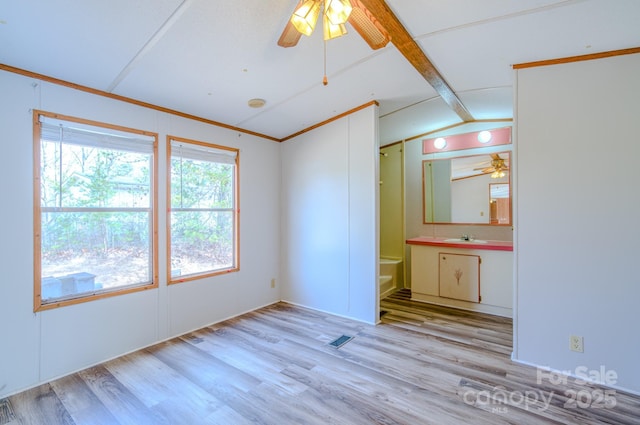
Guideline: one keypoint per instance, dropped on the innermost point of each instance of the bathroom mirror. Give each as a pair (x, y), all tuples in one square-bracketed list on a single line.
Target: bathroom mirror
[(499, 203), (471, 189)]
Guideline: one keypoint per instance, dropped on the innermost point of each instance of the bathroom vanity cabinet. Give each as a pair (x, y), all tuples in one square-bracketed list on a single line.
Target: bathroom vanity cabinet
[(472, 275)]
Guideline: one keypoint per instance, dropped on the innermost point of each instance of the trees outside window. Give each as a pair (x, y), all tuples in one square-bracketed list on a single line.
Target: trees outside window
[(95, 210), (94, 207), (203, 210)]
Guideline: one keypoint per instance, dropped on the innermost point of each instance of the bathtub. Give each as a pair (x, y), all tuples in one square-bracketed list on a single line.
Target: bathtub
[(391, 275)]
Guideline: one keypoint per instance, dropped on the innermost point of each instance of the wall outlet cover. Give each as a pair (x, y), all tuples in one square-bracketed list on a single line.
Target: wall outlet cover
[(576, 343)]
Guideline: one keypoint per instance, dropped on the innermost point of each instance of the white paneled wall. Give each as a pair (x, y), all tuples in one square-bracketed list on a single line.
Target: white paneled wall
[(20, 342), (38, 347), (577, 209), (330, 230)]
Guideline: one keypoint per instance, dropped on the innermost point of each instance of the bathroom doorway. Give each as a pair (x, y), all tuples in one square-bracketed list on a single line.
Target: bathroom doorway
[(392, 233)]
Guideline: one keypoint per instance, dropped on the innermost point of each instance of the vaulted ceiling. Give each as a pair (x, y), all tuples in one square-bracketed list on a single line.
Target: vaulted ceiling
[(209, 58)]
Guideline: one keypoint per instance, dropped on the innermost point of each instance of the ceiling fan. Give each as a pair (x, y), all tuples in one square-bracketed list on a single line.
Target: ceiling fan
[(377, 25), (497, 168), (335, 13)]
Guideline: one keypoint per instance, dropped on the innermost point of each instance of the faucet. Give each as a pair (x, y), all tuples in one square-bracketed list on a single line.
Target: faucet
[(464, 237)]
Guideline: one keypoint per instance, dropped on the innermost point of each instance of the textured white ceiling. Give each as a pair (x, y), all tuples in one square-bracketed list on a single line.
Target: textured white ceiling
[(208, 58)]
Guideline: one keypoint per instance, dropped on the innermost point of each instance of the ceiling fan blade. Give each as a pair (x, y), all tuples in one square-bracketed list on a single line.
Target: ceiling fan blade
[(290, 36), (369, 28)]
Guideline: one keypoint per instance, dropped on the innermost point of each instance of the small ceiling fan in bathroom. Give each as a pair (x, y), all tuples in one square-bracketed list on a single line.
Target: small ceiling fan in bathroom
[(498, 167)]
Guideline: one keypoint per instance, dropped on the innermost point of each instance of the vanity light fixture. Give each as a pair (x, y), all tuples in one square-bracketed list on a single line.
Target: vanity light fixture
[(439, 143), (471, 140), (484, 136)]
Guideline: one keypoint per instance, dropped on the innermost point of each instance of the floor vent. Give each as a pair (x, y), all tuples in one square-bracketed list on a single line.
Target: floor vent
[(6, 412), (341, 341)]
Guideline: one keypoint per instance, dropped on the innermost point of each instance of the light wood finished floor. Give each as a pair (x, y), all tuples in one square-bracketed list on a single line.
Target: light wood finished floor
[(422, 365)]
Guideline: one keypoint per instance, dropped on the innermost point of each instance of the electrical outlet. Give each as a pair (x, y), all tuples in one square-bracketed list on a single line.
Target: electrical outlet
[(273, 283), (576, 343)]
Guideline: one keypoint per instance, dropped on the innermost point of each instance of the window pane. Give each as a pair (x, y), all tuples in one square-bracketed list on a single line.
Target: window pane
[(201, 184), (201, 241), (96, 211), (81, 176), (86, 252)]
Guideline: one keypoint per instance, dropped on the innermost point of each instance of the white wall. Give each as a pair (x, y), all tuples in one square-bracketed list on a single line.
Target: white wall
[(577, 210), (330, 222), (38, 347)]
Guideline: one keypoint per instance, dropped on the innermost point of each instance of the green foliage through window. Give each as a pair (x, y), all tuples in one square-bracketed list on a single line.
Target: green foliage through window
[(203, 213), (96, 210)]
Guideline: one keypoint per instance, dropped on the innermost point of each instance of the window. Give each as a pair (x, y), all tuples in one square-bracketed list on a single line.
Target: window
[(203, 209), (94, 205)]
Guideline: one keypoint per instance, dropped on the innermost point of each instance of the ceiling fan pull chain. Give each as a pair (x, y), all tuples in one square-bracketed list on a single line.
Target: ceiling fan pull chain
[(325, 81)]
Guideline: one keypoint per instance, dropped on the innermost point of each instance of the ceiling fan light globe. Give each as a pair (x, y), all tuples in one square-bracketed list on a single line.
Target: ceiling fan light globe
[(304, 18), (331, 30), (337, 11)]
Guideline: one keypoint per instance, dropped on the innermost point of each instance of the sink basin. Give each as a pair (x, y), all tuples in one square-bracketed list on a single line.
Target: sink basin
[(458, 240)]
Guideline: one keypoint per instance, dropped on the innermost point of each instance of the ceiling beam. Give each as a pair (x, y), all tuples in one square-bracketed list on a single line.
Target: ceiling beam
[(150, 44), (405, 43)]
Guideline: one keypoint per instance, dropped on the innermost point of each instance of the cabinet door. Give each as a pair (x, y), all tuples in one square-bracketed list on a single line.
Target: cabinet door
[(459, 276), (424, 270)]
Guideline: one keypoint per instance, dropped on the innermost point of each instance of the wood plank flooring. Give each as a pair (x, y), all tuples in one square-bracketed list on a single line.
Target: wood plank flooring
[(422, 365)]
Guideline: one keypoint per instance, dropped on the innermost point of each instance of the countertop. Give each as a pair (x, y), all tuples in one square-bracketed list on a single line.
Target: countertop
[(489, 245)]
